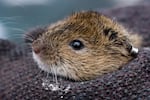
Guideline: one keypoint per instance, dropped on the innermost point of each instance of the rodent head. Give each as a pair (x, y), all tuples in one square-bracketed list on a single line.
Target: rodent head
[(82, 46)]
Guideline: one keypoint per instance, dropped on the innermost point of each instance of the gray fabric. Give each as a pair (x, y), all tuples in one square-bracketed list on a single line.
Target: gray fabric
[(21, 79)]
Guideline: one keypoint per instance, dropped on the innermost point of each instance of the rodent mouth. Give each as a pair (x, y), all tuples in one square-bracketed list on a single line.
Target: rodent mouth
[(40, 64), (59, 70)]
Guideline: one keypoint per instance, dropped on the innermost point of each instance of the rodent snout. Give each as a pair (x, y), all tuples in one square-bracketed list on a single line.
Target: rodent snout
[(37, 48)]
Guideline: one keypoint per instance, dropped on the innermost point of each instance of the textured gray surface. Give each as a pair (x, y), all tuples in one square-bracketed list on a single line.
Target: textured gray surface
[(20, 78)]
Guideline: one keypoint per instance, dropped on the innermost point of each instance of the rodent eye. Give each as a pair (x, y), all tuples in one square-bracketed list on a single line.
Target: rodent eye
[(76, 45)]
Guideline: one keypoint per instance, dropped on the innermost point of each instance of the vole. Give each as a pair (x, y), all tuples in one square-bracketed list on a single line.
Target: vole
[(83, 46)]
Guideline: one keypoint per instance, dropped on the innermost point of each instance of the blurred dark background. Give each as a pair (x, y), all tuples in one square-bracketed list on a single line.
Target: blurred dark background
[(18, 16)]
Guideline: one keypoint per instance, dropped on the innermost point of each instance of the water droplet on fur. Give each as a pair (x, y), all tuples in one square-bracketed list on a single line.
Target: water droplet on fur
[(61, 96), (49, 85)]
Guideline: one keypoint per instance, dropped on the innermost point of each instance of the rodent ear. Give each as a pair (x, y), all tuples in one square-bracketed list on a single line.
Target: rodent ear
[(33, 34), (110, 33)]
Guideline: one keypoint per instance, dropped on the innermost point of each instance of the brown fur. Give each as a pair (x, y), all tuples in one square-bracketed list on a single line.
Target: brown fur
[(107, 46)]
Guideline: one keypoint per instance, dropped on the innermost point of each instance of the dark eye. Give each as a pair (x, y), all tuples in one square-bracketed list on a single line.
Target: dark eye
[(76, 45)]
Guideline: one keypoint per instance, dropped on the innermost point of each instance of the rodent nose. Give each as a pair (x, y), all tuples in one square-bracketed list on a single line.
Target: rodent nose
[(37, 48)]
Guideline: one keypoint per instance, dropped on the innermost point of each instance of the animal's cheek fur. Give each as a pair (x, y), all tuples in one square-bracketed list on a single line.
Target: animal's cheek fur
[(89, 66)]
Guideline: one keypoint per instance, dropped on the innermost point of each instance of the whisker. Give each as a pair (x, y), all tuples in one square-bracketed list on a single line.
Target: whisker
[(28, 36), (8, 23), (17, 29), (26, 45), (28, 39), (47, 75), (30, 53), (55, 75), (10, 18)]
